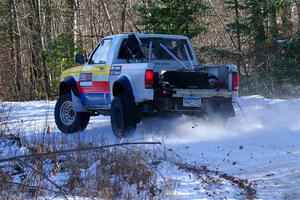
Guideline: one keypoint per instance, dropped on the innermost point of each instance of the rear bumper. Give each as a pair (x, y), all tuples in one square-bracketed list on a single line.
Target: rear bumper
[(172, 101), (212, 104), (206, 93), (203, 93)]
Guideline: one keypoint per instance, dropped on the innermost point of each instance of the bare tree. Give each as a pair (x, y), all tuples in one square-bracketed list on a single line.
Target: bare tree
[(298, 11), (108, 17), (69, 24), (286, 17), (273, 20), (48, 23), (123, 15), (29, 27), (19, 79), (38, 46)]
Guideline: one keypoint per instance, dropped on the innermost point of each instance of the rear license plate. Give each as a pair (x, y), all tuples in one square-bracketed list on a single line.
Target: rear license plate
[(190, 101)]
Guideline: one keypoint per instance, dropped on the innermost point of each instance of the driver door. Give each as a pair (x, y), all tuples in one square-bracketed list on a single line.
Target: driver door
[(94, 77)]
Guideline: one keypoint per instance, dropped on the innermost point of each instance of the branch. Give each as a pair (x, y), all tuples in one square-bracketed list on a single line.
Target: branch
[(108, 17), (296, 34), (130, 16), (75, 150), (28, 186), (230, 36), (43, 175)]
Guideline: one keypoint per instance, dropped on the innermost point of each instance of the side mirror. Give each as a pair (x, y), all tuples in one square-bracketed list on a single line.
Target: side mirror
[(79, 59)]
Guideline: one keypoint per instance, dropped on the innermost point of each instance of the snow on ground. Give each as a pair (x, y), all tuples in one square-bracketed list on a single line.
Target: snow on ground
[(265, 149)]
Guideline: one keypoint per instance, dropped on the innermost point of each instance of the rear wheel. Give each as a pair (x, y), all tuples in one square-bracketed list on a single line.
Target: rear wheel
[(122, 116), (220, 111), (66, 119)]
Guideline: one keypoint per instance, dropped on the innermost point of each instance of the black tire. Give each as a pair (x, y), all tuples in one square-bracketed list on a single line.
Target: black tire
[(216, 118), (219, 111), (121, 117), (66, 119)]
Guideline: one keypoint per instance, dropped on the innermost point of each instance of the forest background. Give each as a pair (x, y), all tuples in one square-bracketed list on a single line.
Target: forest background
[(39, 39)]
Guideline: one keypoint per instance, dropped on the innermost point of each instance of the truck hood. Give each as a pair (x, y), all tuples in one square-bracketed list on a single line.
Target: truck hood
[(74, 71)]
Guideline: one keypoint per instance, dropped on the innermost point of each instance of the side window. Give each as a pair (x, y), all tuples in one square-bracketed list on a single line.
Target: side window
[(101, 53), (122, 51), (129, 49)]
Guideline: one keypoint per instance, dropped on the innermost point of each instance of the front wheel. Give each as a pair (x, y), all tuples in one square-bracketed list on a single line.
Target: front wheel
[(66, 119)]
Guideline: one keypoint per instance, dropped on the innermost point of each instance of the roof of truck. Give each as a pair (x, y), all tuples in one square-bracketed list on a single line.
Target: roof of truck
[(140, 35)]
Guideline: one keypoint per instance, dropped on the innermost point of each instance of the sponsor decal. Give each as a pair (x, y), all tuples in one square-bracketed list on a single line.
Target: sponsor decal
[(115, 70), (85, 77), (86, 84)]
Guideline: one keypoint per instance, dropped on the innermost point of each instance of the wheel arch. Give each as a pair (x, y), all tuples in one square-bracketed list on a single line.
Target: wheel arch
[(68, 85), (122, 86)]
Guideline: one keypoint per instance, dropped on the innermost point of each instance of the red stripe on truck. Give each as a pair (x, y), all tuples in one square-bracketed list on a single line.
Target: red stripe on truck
[(97, 86)]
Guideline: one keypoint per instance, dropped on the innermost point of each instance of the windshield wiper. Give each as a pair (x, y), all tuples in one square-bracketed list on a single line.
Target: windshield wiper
[(172, 55)]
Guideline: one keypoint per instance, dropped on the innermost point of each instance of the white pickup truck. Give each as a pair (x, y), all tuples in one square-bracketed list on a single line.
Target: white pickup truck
[(132, 76)]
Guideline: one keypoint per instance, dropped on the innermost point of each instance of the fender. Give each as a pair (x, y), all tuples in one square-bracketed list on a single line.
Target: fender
[(71, 83), (125, 84)]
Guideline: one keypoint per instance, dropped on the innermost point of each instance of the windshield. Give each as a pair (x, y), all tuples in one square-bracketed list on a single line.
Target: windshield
[(175, 46), (101, 53)]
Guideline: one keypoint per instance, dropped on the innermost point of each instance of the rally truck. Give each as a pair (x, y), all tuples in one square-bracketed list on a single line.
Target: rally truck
[(132, 76)]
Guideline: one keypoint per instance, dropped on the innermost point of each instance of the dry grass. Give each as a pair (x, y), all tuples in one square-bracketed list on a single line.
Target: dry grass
[(117, 173), (109, 174)]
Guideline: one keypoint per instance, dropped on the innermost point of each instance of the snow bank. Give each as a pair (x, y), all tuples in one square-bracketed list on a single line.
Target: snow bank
[(266, 150)]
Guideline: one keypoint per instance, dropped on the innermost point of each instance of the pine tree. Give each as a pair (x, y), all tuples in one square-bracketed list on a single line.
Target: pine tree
[(238, 28), (173, 17)]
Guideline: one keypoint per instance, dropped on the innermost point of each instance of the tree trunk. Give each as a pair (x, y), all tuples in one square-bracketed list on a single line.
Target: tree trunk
[(237, 21), (48, 23), (257, 22), (11, 47), (17, 46), (48, 38), (69, 25), (273, 21), (38, 46), (133, 22), (123, 15), (77, 30), (286, 16), (108, 17), (298, 12)]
